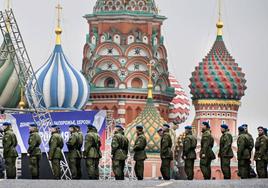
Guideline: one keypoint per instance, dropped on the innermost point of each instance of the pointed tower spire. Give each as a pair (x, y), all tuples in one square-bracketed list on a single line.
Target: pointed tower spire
[(150, 83), (58, 30), (219, 23)]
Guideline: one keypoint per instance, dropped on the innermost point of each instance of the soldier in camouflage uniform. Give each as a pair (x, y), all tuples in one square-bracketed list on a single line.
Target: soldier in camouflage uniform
[(34, 151), (166, 153), (55, 151), (119, 152), (80, 140), (226, 152), (73, 153), (139, 152), (92, 152), (10, 152), (261, 150), (206, 153), (243, 153), (251, 146), (189, 154)]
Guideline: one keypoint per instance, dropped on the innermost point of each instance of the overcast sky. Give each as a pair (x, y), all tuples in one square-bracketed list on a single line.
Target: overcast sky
[(189, 34)]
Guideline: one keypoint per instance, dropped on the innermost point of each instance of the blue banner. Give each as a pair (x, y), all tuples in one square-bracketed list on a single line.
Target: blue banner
[(20, 125)]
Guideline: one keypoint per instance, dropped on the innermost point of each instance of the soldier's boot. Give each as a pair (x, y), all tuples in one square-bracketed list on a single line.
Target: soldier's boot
[(225, 167), (122, 168), (10, 168)]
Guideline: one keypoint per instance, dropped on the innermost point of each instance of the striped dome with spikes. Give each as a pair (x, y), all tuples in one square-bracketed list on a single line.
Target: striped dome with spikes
[(180, 105), (218, 76), (9, 82), (63, 86)]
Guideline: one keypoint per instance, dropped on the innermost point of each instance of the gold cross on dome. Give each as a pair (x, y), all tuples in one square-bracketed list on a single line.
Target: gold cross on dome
[(59, 8)]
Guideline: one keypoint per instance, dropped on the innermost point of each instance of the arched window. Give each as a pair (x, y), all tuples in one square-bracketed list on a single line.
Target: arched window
[(136, 83), (109, 82)]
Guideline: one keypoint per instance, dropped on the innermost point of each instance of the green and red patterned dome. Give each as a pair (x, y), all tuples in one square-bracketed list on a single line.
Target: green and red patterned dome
[(125, 7), (218, 76)]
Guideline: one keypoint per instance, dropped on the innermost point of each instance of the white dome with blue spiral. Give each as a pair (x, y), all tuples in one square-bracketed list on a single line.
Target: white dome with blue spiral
[(63, 86)]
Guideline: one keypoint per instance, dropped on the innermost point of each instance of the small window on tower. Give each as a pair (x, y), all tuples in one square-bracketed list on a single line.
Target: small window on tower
[(110, 83)]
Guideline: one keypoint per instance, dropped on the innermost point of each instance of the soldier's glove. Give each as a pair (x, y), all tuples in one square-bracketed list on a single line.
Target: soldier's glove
[(203, 155), (28, 154)]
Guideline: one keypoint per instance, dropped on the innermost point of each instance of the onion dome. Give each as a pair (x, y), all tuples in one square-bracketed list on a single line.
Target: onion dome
[(125, 6), (180, 105), (63, 86), (218, 76), (9, 84), (151, 120)]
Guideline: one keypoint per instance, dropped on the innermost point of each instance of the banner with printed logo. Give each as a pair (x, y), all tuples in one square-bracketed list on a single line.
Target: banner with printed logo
[(20, 125)]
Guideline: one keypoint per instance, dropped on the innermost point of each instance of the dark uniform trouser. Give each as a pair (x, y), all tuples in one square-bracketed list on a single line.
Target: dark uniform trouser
[(261, 166), (165, 168), (118, 169), (92, 168), (10, 163), (56, 168), (73, 167), (243, 168), (139, 169), (34, 166), (225, 167), (205, 165), (78, 167), (189, 168)]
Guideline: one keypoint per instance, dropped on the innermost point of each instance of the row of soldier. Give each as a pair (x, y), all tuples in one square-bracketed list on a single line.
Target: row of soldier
[(245, 145), (120, 149)]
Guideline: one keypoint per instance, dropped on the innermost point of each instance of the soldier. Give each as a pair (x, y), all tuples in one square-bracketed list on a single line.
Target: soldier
[(34, 151), (206, 153), (243, 153), (10, 152), (80, 140), (139, 152), (251, 171), (92, 152), (226, 152), (73, 153), (261, 149), (189, 154), (166, 152), (55, 151), (119, 152)]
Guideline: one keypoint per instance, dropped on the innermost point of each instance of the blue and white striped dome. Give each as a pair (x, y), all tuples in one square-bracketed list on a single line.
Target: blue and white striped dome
[(63, 86)]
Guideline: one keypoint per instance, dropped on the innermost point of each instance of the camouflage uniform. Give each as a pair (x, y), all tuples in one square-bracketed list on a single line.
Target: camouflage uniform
[(92, 154), (78, 159), (206, 154), (73, 153), (10, 152), (34, 152), (166, 155), (261, 150), (226, 154), (55, 153), (243, 155), (189, 154), (120, 153), (140, 155)]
